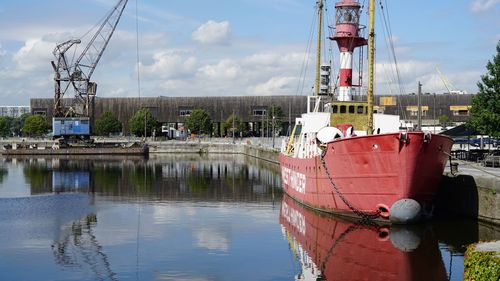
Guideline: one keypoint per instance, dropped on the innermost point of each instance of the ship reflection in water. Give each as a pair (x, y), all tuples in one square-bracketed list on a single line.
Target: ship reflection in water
[(330, 248)]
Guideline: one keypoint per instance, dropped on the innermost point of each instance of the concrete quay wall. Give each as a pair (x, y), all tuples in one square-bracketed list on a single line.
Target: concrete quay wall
[(470, 195), (261, 152)]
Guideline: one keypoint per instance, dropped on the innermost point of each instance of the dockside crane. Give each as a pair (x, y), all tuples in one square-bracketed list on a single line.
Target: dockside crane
[(448, 85), (75, 120)]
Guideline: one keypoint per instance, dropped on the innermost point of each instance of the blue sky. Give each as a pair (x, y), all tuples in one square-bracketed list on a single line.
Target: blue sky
[(244, 47)]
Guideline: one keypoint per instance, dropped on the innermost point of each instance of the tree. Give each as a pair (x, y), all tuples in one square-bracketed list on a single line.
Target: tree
[(4, 127), (274, 115), (199, 122), (35, 125), (444, 120), (485, 110), (18, 123), (227, 125), (107, 124), (143, 117)]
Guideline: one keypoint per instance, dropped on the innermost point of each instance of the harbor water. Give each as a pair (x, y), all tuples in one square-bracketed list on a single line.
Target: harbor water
[(199, 217)]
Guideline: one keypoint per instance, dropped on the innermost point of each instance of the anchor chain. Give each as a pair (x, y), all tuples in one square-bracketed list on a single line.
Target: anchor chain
[(365, 216)]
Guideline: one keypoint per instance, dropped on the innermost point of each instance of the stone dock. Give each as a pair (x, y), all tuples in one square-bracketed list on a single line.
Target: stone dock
[(472, 192), (247, 147)]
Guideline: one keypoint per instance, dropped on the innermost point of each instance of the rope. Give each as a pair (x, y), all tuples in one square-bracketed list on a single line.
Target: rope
[(137, 51), (392, 54), (470, 165), (305, 62), (365, 216)]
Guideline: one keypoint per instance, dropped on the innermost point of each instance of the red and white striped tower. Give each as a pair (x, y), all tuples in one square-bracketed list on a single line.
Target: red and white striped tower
[(347, 37)]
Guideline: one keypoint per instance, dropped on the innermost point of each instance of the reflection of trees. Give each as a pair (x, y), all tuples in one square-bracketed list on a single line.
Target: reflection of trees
[(38, 177), (176, 177), (3, 173), (198, 182), (79, 246), (142, 178), (106, 178)]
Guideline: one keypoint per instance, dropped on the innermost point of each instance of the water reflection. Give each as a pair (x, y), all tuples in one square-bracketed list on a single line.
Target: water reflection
[(78, 246), (187, 177), (134, 218), (3, 173), (329, 248)]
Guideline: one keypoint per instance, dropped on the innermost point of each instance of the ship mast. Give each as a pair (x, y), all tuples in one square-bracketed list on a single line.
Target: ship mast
[(371, 62), (318, 51)]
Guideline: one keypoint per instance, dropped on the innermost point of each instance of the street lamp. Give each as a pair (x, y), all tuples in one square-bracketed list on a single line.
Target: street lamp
[(273, 129)]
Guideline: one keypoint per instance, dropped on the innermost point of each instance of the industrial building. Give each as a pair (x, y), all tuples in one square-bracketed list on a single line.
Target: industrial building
[(253, 109), (13, 111)]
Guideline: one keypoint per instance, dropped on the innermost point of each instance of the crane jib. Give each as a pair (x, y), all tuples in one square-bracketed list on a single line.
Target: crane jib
[(76, 75)]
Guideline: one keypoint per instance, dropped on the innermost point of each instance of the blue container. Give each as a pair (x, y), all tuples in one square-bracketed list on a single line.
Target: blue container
[(71, 126)]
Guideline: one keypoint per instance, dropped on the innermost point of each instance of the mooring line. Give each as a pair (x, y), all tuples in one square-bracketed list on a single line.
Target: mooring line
[(364, 215)]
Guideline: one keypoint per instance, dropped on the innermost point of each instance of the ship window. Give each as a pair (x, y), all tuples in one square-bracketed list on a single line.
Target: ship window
[(343, 109), (360, 109), (351, 108), (335, 109)]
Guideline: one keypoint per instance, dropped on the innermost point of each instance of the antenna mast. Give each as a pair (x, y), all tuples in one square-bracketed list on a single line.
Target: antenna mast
[(371, 63), (318, 51)]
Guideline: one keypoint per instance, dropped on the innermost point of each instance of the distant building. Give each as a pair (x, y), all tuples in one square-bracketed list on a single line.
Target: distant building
[(173, 111), (14, 111)]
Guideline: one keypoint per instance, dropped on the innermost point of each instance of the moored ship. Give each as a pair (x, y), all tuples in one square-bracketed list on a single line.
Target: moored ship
[(341, 158)]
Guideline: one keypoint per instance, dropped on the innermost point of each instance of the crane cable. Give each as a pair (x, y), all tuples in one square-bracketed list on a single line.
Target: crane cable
[(390, 43), (137, 49), (305, 62)]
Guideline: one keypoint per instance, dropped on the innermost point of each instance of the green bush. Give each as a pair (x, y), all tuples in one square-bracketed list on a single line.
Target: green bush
[(107, 124), (481, 265)]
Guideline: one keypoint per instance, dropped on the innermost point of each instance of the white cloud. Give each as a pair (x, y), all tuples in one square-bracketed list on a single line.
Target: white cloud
[(275, 59), (170, 64), (213, 33), (212, 238), (277, 86), (414, 71), (225, 69), (483, 5), (35, 55)]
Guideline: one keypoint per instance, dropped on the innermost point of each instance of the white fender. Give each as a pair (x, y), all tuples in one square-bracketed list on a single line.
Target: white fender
[(328, 134)]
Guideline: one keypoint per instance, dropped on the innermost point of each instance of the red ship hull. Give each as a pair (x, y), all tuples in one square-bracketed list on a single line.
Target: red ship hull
[(333, 249), (371, 172)]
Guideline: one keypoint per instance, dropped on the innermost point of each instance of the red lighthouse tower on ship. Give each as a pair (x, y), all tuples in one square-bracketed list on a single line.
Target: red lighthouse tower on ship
[(347, 36)]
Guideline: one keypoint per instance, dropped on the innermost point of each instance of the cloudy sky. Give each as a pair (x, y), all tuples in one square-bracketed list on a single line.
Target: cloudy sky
[(242, 47)]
